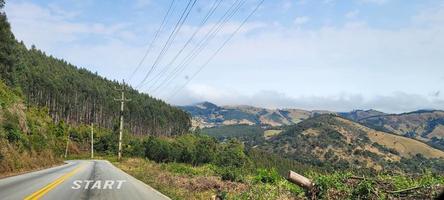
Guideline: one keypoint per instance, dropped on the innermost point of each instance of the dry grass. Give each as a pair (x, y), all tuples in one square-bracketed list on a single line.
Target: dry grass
[(177, 186), (13, 162), (270, 133), (405, 146)]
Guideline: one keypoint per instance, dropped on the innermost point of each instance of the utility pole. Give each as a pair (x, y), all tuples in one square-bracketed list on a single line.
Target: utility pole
[(122, 103), (92, 140)]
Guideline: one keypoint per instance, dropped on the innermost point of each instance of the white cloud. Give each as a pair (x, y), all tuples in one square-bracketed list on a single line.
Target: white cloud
[(336, 68), (341, 67), (431, 16), (301, 20), (395, 102), (51, 26), (54, 31)]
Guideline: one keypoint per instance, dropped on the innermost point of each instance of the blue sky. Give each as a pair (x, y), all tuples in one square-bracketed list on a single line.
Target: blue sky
[(327, 54)]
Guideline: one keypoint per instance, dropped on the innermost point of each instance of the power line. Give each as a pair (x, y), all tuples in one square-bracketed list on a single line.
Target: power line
[(154, 39), (233, 9), (204, 43), (218, 50), (213, 8), (171, 37)]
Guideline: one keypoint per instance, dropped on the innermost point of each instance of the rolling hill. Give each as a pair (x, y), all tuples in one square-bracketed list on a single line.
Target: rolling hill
[(423, 125), (207, 114), (333, 140)]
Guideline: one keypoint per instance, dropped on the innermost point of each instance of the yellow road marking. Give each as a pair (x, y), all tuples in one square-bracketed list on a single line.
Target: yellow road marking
[(38, 194)]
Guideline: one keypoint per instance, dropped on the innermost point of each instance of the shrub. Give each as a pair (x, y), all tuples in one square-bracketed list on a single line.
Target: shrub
[(159, 150), (135, 148), (363, 190), (267, 176), (232, 155), (231, 174), (106, 143), (205, 150)]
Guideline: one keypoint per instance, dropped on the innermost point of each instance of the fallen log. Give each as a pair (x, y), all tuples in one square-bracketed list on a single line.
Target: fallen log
[(300, 180)]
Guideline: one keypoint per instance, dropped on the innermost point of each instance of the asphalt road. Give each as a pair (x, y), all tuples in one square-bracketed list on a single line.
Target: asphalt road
[(78, 179)]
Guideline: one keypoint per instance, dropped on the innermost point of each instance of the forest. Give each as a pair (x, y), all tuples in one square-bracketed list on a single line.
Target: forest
[(78, 96)]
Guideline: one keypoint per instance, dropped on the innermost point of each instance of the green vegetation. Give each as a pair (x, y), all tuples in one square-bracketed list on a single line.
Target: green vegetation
[(185, 181), (223, 132), (78, 96), (422, 125), (331, 143), (24, 142), (44, 101)]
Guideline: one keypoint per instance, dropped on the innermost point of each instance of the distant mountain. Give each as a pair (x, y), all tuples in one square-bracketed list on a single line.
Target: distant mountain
[(358, 115), (424, 125), (344, 143), (207, 114)]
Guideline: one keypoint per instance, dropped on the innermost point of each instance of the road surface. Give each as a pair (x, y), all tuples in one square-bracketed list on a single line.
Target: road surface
[(77, 179)]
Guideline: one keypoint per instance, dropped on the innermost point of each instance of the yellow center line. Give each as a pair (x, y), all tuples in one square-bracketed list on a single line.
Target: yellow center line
[(38, 194)]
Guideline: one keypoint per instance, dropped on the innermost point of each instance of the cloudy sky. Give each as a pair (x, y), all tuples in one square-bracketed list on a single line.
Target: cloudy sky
[(312, 54)]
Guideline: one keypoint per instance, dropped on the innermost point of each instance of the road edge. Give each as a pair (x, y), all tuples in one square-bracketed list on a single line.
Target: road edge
[(32, 170), (157, 191)]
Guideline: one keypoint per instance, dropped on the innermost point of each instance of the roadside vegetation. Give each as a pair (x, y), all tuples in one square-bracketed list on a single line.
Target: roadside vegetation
[(230, 171)]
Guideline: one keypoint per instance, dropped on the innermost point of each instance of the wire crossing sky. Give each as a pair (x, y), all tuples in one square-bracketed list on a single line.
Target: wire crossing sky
[(327, 54)]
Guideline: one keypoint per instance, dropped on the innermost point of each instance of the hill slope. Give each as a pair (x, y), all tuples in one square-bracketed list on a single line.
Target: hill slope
[(358, 115), (427, 126), (78, 96), (27, 135), (343, 143)]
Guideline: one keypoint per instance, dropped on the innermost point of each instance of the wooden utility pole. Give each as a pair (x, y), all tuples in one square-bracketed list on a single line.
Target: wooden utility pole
[(92, 140), (122, 103)]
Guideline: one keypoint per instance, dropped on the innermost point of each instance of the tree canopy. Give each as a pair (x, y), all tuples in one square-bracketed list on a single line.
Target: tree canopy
[(76, 95)]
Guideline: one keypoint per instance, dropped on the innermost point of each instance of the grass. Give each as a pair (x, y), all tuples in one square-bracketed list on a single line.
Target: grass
[(405, 146), (270, 133)]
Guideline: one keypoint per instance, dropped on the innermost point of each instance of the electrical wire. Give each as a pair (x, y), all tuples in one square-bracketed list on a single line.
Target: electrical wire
[(171, 38), (218, 50), (158, 77), (162, 24), (217, 27)]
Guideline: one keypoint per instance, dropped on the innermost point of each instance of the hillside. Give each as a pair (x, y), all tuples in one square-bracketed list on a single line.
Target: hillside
[(333, 140), (27, 135), (78, 96), (427, 126), (207, 114), (357, 115)]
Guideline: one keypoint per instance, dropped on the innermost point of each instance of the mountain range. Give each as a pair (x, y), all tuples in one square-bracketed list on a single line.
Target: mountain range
[(207, 114), (424, 125)]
